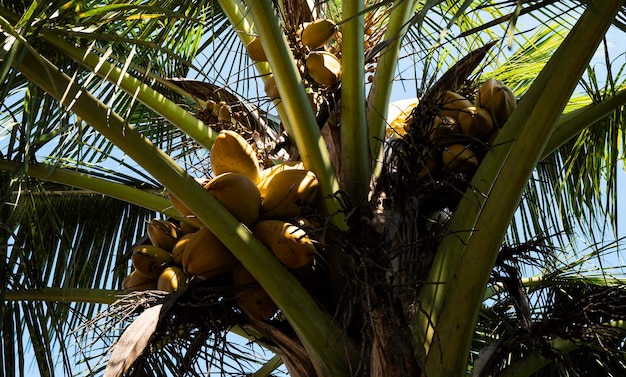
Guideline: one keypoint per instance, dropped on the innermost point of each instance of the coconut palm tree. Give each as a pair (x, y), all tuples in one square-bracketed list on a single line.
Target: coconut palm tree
[(437, 251)]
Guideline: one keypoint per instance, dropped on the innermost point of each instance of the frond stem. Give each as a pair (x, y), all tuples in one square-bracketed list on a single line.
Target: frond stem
[(68, 295), (95, 185), (380, 92), (355, 154), (304, 129)]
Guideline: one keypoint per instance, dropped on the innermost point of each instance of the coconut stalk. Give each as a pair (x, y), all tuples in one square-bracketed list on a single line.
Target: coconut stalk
[(304, 129), (186, 122), (325, 343), (380, 92), (464, 260), (540, 281), (120, 191), (239, 18), (69, 295), (572, 123), (236, 13), (355, 157)]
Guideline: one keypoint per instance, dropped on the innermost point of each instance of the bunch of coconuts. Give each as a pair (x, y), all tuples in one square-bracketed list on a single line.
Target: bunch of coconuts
[(318, 63), (270, 202), (460, 128)]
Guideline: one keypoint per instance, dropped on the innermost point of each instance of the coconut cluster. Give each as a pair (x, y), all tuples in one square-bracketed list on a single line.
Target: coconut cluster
[(265, 200), (319, 64), (461, 130)]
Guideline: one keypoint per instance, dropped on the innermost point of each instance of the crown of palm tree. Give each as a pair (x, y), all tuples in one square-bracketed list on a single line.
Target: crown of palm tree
[(109, 107)]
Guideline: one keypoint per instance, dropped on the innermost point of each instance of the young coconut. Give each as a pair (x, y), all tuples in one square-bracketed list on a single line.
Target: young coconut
[(136, 281), (163, 233), (232, 153), (172, 279), (459, 159), (288, 242), (497, 99), (251, 298), (238, 194), (179, 248), (285, 192), (324, 68), (475, 122), (453, 103), (205, 255), (317, 33), (150, 260)]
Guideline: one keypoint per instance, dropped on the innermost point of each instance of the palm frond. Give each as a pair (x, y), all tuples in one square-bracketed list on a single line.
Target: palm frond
[(59, 238), (142, 56), (572, 310)]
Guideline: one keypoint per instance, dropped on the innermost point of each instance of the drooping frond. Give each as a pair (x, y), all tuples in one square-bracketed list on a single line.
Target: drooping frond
[(62, 238)]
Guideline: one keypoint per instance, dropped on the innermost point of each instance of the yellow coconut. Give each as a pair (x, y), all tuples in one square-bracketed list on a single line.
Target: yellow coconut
[(442, 127), (150, 260), (238, 194), (251, 298), (459, 158), (289, 243), (317, 33), (136, 281), (324, 68), (187, 214), (163, 233), (272, 170), (284, 193), (231, 153), (497, 99), (205, 255), (179, 248), (475, 122), (453, 103), (172, 279)]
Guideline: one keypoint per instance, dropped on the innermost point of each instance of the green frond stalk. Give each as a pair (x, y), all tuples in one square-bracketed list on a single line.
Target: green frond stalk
[(179, 117), (97, 185), (380, 92), (304, 129), (537, 282), (236, 13), (267, 369), (324, 341), (69, 295), (572, 123), (464, 260), (355, 158)]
